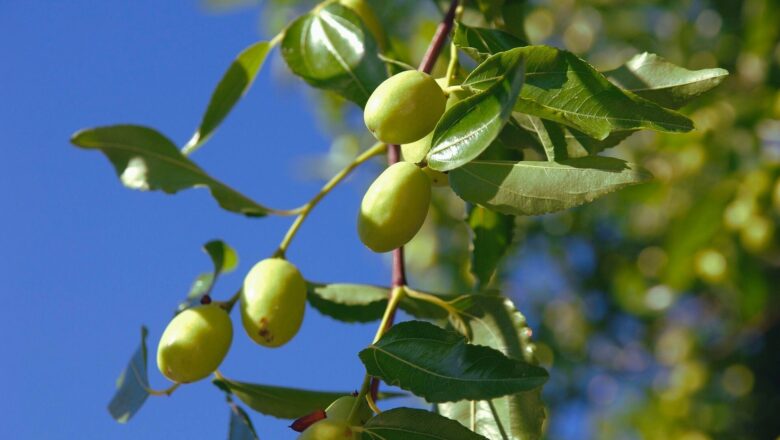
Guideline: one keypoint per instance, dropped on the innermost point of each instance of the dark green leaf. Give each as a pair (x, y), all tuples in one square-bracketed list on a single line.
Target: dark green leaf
[(241, 427), (132, 385), (662, 82), (234, 84), (480, 43), (470, 126), (492, 236), (439, 366), (331, 49), (534, 188), (348, 302), (563, 88), (146, 160), (224, 258), (494, 322), (415, 424), (282, 402)]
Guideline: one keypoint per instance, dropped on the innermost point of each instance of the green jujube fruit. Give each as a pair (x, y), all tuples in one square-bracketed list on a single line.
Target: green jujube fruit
[(394, 207), (404, 108), (194, 343), (327, 429), (273, 302), (342, 407)]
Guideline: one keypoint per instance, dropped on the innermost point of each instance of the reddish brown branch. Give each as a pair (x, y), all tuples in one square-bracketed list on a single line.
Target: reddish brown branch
[(394, 154)]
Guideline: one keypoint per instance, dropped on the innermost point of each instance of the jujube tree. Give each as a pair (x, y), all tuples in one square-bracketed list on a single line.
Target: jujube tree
[(514, 130)]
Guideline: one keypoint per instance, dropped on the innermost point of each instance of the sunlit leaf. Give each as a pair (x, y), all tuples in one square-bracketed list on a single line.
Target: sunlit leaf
[(470, 126), (348, 302), (534, 188), (414, 424), (233, 85), (146, 160), (132, 385), (439, 366), (563, 88), (331, 49), (662, 82)]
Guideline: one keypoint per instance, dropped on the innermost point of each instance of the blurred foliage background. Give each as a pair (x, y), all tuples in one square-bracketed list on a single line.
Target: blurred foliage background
[(656, 308)]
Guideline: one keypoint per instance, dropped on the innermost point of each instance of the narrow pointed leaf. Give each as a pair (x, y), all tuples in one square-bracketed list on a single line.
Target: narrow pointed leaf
[(331, 49), (563, 88), (283, 402), (534, 188), (132, 385), (491, 238), (495, 322), (415, 424), (439, 366), (480, 43), (551, 136), (240, 427), (146, 160), (471, 125), (233, 85), (656, 79)]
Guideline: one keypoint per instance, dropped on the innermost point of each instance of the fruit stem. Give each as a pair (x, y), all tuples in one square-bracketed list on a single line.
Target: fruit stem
[(375, 150), (152, 392), (396, 295), (228, 305)]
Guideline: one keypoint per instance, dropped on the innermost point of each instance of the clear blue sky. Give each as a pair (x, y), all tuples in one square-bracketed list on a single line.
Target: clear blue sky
[(86, 261)]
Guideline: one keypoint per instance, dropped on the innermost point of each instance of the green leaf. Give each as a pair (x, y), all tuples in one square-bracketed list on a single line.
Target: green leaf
[(492, 238), (563, 88), (282, 402), (132, 385), (470, 126), (480, 43), (233, 85), (439, 366), (495, 322), (662, 82), (534, 188), (224, 258), (364, 303), (331, 49), (551, 136), (146, 160), (240, 427), (414, 424), (348, 302)]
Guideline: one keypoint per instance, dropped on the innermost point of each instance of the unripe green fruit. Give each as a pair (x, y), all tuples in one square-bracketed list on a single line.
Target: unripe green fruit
[(404, 108), (194, 343), (328, 429), (342, 407), (366, 14), (416, 151), (272, 302), (394, 207)]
